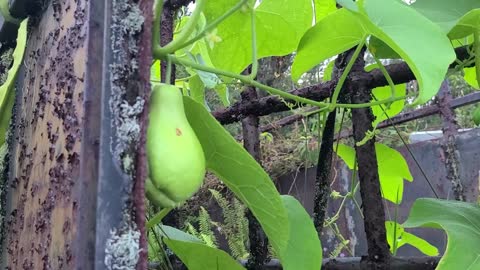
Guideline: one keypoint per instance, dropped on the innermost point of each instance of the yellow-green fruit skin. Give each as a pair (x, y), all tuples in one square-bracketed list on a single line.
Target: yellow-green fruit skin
[(175, 156)]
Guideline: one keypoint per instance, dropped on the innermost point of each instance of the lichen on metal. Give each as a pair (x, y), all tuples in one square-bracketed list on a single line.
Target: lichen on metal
[(123, 248), (127, 21)]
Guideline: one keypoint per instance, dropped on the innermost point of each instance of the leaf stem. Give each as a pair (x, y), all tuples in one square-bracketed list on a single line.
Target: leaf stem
[(157, 18), (387, 77), (274, 91), (184, 33), (168, 73), (209, 27), (344, 75), (158, 218), (248, 80)]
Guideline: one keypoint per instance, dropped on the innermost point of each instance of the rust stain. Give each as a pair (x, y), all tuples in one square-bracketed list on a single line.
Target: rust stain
[(40, 226)]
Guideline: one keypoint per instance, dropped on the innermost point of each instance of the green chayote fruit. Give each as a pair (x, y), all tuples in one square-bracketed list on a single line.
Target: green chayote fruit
[(175, 156)]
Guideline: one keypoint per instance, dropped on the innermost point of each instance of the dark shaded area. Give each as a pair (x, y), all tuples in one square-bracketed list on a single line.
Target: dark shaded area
[(351, 263)]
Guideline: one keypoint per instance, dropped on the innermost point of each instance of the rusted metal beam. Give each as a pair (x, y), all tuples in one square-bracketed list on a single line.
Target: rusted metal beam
[(251, 142), (400, 73), (429, 110)]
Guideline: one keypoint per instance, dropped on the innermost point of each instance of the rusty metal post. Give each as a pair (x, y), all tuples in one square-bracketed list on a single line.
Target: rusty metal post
[(450, 131), (251, 142)]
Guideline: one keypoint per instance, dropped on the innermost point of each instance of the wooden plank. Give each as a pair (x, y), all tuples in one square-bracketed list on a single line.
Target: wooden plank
[(42, 203)]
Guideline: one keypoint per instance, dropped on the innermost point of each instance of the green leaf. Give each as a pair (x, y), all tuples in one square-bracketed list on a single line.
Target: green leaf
[(304, 250), (467, 25), (395, 230), (348, 4), (462, 41), (447, 14), (155, 71), (383, 93), (7, 90), (197, 89), (392, 169), (328, 72), (197, 256), (347, 154), (395, 108), (336, 33), (460, 220), (323, 8), (397, 25), (381, 50), (222, 93), (470, 76), (279, 26), (241, 173), (176, 234)]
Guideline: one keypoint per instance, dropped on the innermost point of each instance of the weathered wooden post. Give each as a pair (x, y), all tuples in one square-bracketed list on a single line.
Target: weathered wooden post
[(73, 198)]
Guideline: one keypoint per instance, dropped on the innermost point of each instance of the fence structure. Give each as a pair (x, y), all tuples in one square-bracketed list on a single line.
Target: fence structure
[(72, 193)]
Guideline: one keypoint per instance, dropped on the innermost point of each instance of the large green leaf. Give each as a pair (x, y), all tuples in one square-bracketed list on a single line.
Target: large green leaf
[(200, 256), (348, 4), (417, 40), (395, 107), (392, 169), (279, 26), (197, 89), (446, 13), (176, 234), (396, 232), (323, 8), (334, 34), (461, 222), (467, 25), (241, 173), (196, 255), (304, 250), (420, 42), (347, 154), (7, 89), (382, 112)]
